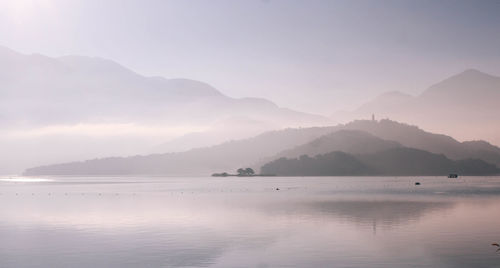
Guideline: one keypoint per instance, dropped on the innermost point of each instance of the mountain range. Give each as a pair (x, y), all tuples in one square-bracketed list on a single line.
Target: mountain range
[(37, 89), (65, 109), (465, 106), (362, 137), (97, 107)]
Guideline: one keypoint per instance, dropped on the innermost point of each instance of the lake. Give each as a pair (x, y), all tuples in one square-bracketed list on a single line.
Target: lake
[(248, 222)]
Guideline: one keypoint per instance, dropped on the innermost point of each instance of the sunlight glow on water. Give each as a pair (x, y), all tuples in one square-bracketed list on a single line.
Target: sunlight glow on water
[(23, 179)]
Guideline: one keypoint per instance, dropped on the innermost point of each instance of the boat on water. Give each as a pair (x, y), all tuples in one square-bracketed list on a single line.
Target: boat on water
[(452, 175)]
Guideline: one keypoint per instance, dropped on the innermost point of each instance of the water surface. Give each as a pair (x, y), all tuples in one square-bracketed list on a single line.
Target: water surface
[(247, 222)]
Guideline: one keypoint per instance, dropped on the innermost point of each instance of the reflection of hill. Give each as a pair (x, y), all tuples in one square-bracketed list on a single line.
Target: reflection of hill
[(385, 212), (382, 211)]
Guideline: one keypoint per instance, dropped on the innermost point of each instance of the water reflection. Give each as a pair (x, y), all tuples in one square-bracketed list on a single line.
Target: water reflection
[(382, 212)]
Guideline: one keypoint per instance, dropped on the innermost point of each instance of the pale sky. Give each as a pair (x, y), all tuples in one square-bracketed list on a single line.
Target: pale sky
[(314, 56)]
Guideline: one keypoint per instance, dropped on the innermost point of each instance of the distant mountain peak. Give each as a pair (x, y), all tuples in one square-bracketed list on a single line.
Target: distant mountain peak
[(7, 53), (473, 72), (472, 75), (468, 84)]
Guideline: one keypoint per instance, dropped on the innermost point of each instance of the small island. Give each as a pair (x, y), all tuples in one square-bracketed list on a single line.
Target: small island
[(242, 172)]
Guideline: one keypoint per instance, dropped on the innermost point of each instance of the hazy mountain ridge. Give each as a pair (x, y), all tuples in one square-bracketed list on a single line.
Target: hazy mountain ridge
[(250, 152), (466, 103), (60, 90), (368, 136), (347, 141), (392, 162), (97, 107), (414, 137), (201, 161), (465, 88)]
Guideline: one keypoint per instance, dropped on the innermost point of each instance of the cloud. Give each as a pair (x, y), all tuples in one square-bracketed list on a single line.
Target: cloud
[(103, 130)]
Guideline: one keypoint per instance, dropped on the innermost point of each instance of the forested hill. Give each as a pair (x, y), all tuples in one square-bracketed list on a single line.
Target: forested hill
[(392, 162)]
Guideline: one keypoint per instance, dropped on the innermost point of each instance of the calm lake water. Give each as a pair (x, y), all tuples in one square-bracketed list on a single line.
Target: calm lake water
[(246, 222)]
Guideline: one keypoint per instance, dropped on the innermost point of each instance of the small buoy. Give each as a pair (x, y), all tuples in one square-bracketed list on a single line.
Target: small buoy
[(417, 183)]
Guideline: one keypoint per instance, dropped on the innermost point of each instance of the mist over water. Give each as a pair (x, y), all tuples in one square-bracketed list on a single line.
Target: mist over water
[(210, 222)]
